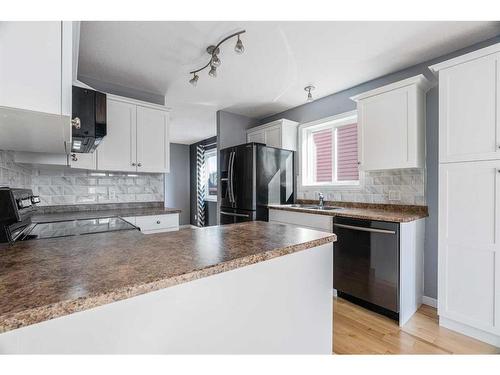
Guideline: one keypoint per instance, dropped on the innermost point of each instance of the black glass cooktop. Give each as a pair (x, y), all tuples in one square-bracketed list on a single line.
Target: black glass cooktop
[(76, 227)]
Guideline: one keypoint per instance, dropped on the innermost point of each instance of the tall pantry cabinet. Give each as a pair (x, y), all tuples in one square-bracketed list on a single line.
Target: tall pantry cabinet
[(469, 194)]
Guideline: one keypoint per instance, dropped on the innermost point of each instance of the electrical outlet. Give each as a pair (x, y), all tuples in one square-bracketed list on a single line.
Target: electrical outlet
[(394, 195)]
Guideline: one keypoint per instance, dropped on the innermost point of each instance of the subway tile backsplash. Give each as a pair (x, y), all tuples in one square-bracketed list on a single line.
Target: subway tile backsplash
[(396, 186), (61, 185)]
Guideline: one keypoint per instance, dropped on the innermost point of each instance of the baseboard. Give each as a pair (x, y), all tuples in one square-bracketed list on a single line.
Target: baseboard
[(429, 301), (470, 331)]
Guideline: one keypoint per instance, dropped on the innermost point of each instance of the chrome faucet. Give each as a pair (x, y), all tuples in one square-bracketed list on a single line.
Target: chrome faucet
[(321, 203)]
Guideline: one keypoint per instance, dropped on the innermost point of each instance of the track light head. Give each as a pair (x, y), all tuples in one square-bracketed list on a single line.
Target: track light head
[(216, 61), (194, 80), (238, 48), (213, 71)]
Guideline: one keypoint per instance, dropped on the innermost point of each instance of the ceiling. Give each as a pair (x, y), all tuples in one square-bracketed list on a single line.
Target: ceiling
[(280, 59)]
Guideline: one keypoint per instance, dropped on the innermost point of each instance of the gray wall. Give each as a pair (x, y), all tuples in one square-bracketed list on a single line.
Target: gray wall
[(231, 129), (177, 181), (340, 102)]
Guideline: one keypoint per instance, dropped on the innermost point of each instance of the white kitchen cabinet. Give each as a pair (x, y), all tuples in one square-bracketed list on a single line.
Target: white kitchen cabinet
[(153, 147), (83, 160), (36, 66), (281, 134), (469, 272), (137, 137), (391, 123), (158, 223), (302, 219), (117, 150), (469, 194), (469, 124)]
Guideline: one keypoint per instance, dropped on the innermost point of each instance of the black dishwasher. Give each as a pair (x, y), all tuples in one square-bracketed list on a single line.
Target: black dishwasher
[(366, 264)]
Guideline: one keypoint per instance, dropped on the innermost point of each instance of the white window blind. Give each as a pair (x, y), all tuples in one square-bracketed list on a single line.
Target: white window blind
[(347, 153)]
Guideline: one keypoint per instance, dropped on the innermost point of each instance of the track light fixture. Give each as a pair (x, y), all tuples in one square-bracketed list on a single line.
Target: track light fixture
[(213, 71), (194, 80), (215, 61), (309, 88)]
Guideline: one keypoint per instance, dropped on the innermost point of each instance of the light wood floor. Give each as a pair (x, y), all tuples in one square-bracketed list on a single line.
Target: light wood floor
[(360, 331)]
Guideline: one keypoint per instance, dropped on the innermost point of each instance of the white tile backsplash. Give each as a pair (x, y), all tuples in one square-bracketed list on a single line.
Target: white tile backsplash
[(64, 185), (396, 186)]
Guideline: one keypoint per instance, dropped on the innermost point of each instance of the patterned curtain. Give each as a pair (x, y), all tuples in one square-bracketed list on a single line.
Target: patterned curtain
[(200, 183)]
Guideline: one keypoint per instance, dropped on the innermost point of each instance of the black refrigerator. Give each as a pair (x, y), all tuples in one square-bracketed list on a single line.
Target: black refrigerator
[(252, 176)]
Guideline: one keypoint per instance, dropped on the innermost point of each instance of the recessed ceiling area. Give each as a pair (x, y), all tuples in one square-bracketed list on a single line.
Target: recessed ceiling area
[(280, 59)]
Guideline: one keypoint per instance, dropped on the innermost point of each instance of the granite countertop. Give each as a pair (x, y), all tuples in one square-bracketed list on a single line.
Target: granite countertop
[(368, 211), (94, 214), (49, 278)]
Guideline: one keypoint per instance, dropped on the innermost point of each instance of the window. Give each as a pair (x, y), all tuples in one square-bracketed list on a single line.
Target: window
[(211, 174), (329, 151)]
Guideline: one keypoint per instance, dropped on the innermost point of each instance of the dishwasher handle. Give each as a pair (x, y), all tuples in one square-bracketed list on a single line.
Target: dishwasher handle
[(365, 229)]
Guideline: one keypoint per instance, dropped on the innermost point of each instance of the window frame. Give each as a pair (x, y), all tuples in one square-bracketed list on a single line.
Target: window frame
[(306, 166), (210, 197)]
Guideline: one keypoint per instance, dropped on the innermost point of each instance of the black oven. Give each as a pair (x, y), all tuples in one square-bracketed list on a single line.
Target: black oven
[(366, 264)]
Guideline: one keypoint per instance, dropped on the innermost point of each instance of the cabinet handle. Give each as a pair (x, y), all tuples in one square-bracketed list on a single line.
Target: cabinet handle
[(73, 157), (158, 222), (133, 164), (139, 164)]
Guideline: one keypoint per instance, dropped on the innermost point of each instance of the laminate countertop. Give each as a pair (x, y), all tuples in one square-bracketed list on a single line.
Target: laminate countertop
[(95, 214), (382, 212), (48, 278)]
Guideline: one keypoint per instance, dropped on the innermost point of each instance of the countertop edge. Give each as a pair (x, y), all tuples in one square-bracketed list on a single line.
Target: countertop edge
[(9, 322), (382, 215)]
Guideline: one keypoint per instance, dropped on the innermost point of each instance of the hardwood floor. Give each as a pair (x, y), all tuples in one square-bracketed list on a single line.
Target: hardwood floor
[(360, 331)]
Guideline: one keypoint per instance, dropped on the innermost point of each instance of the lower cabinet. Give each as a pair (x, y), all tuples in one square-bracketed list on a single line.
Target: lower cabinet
[(469, 248), (318, 222), (155, 223), (406, 262)]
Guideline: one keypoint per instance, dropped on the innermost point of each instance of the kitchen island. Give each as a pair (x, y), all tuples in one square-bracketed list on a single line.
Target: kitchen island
[(246, 288)]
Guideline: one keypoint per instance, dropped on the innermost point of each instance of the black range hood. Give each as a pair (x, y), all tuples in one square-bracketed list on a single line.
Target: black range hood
[(88, 119)]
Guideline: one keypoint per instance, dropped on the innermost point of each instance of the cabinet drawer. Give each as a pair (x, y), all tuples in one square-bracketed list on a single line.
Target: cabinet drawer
[(158, 223), (302, 219)]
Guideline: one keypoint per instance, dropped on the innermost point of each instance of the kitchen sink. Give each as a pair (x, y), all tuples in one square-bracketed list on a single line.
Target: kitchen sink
[(316, 207)]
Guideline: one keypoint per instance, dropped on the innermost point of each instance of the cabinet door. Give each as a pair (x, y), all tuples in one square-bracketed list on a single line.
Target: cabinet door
[(152, 140), (117, 151), (30, 66), (257, 137), (385, 120), (83, 161), (469, 230), (273, 136), (468, 111)]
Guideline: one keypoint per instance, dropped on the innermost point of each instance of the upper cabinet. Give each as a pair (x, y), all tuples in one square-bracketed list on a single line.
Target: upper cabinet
[(281, 134), (391, 123), (153, 147), (36, 66), (35, 86), (137, 137), (469, 124)]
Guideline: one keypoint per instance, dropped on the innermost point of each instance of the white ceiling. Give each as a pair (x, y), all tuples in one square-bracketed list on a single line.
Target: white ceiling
[(280, 59)]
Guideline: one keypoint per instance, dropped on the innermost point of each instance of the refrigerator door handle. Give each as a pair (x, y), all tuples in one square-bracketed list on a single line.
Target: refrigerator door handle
[(233, 214), (231, 177)]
